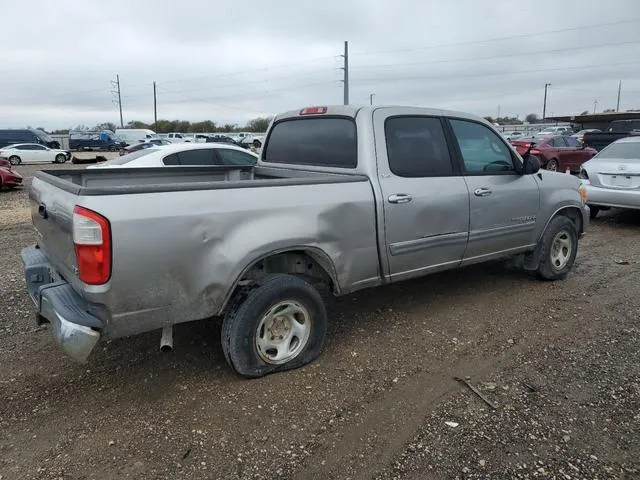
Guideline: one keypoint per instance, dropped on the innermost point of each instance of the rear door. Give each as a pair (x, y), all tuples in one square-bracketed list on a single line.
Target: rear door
[(503, 203), (27, 153), (425, 200)]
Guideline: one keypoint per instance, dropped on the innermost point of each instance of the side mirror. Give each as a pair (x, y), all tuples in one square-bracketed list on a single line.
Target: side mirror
[(531, 165)]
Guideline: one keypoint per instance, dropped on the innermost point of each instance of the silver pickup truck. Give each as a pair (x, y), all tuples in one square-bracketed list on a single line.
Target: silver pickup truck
[(343, 198)]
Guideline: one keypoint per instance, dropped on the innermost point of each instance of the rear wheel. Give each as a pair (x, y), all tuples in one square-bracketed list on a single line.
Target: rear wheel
[(558, 249), (15, 160), (276, 324), (552, 165)]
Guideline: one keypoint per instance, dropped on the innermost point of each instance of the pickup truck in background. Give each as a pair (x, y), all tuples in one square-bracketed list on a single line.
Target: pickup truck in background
[(617, 129), (343, 198)]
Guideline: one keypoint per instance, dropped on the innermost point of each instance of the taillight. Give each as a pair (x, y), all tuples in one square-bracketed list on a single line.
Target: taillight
[(92, 241), (533, 151)]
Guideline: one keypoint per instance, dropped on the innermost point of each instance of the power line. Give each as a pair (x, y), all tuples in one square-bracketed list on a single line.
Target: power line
[(475, 75), (499, 39), (491, 57), (263, 92), (259, 80)]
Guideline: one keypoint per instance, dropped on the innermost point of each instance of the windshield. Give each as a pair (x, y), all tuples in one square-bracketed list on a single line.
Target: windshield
[(43, 136), (129, 157), (622, 150)]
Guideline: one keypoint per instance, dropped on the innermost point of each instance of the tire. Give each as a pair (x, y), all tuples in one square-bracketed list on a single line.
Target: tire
[(552, 165), (558, 249), (60, 158), (247, 328), (15, 160), (593, 211), (257, 143), (111, 148)]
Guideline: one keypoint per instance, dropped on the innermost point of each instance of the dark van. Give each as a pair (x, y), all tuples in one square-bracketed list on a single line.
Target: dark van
[(26, 135), (93, 140)]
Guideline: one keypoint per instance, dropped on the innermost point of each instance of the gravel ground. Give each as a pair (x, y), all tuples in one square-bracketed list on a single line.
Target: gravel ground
[(560, 362)]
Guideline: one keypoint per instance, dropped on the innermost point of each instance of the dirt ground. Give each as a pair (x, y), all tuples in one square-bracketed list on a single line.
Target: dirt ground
[(559, 361)]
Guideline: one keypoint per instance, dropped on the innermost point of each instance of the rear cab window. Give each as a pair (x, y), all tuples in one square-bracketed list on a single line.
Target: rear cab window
[(319, 142)]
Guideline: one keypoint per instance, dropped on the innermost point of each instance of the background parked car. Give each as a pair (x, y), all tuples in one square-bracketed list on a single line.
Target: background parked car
[(183, 154), (556, 153), (512, 135), (223, 139), (154, 142), (131, 136), (26, 135), (93, 139), (8, 177), (617, 129), (580, 135), (556, 131), (33, 153), (612, 177)]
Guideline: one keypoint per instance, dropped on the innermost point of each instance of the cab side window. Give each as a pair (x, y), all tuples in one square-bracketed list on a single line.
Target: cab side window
[(482, 150), (417, 147)]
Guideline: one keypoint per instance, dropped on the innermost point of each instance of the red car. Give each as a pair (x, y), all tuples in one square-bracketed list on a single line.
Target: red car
[(8, 177), (556, 153)]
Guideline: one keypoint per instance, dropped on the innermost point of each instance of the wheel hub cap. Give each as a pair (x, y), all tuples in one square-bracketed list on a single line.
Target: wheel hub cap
[(283, 332), (561, 249)]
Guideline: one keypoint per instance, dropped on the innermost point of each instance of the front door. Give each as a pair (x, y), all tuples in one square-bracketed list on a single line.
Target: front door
[(425, 200), (503, 203)]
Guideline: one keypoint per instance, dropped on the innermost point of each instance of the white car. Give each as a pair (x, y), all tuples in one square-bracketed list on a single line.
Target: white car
[(512, 135), (176, 137), (184, 154), (33, 153), (612, 177), (556, 131)]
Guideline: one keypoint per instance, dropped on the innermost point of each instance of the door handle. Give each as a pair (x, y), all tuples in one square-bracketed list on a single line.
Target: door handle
[(482, 192), (400, 198)]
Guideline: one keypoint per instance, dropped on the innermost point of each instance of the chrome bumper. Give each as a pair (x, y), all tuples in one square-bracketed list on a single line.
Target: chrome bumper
[(75, 329)]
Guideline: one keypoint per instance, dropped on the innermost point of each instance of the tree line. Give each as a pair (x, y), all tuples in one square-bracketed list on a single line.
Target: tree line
[(259, 124)]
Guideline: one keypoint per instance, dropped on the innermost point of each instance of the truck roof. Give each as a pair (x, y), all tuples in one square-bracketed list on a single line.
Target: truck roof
[(354, 110)]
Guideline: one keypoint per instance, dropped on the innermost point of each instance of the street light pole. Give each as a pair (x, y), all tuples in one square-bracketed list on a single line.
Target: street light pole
[(544, 106)]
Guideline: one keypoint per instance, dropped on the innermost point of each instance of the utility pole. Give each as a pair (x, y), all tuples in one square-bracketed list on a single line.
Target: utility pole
[(345, 81), (117, 101), (619, 90), (595, 104), (371, 95), (155, 109), (498, 113), (544, 106)]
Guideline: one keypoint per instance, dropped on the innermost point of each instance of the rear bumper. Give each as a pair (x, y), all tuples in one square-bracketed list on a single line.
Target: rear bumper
[(76, 331), (612, 197)]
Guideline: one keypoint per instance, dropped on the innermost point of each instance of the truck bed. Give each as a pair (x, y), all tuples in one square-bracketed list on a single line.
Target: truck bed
[(170, 179)]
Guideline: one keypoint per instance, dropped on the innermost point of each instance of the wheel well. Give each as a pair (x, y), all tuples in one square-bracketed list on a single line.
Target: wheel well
[(314, 267), (574, 215)]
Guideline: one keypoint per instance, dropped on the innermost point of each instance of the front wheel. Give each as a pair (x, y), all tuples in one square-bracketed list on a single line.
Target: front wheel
[(15, 160), (593, 211), (552, 165), (276, 324), (559, 246), (60, 158)]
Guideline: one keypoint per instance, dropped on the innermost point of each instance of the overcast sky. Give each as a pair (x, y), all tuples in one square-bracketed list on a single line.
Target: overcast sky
[(251, 58)]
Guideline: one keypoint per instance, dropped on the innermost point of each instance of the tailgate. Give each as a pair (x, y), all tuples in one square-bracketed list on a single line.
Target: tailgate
[(52, 215)]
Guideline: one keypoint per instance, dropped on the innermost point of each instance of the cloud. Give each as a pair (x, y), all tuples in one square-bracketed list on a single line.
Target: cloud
[(253, 58)]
